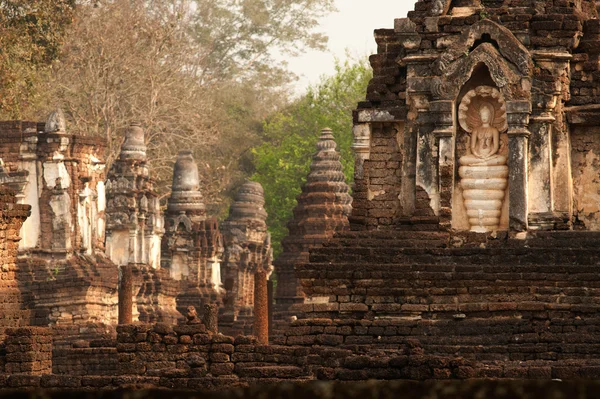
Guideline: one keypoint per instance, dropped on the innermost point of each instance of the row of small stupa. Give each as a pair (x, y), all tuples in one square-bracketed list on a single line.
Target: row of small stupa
[(217, 263), (82, 221)]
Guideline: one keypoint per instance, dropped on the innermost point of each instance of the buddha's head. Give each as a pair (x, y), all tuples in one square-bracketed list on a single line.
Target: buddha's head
[(486, 113)]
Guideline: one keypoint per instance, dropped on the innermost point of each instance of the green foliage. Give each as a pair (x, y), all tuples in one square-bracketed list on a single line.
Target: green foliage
[(283, 161), (31, 35)]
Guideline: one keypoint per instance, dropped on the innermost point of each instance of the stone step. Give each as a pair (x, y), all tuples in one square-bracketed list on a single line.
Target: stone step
[(542, 239), (395, 243), (567, 235), (487, 271), (271, 372), (471, 308), (390, 235), (391, 255)]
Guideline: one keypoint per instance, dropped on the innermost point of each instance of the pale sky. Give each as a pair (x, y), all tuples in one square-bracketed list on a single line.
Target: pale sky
[(351, 28)]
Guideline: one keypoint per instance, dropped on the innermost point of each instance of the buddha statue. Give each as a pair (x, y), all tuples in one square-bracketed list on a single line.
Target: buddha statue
[(483, 170), (438, 7)]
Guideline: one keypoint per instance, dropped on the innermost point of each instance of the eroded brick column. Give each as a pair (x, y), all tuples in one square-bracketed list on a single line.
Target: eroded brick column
[(261, 307), (126, 296), (518, 120), (270, 306), (211, 317)]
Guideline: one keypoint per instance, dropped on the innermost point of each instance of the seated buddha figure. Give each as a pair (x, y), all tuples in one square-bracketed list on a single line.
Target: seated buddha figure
[(485, 142), (483, 171)]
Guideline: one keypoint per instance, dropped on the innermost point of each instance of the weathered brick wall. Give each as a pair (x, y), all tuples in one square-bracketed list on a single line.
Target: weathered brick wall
[(85, 361), (584, 74), (188, 355), (28, 351), (14, 302), (375, 198), (93, 281), (491, 299), (13, 134), (189, 352), (585, 158)]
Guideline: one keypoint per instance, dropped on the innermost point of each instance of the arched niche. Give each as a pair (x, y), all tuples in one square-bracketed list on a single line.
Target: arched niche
[(487, 54), (481, 195)]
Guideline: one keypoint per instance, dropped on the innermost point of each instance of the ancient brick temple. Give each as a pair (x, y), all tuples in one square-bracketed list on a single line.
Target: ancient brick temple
[(472, 252), (322, 210), (64, 276), (192, 245), (134, 230), (87, 236), (475, 159), (247, 250)]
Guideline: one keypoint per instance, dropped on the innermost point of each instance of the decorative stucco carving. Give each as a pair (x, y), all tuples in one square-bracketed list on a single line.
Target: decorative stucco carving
[(508, 46), (470, 120), (483, 170), (503, 73), (440, 7)]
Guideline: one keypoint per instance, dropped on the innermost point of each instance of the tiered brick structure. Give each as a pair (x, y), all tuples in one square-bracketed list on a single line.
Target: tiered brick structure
[(65, 273), (474, 149), (247, 248), (322, 210), (474, 247), (134, 230), (192, 245), (134, 221)]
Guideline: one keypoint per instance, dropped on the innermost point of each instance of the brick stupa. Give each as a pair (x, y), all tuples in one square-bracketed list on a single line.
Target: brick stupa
[(192, 245), (134, 230), (247, 249), (322, 210)]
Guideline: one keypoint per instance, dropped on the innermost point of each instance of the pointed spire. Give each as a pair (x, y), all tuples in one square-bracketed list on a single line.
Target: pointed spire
[(326, 167), (322, 210)]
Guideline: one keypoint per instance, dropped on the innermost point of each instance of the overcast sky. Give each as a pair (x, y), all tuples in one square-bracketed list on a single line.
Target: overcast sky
[(351, 28)]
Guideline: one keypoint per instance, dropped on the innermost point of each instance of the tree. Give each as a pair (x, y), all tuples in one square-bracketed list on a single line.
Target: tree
[(126, 62), (283, 161), (194, 73), (239, 37), (31, 35)]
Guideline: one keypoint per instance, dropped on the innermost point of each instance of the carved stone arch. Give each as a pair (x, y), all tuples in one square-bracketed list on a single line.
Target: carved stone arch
[(182, 220), (508, 46), (506, 77)]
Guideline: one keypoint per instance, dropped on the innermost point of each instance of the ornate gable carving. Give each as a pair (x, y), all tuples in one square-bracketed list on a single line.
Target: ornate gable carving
[(508, 46)]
